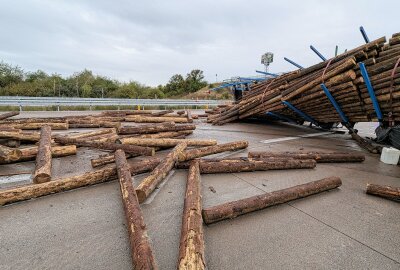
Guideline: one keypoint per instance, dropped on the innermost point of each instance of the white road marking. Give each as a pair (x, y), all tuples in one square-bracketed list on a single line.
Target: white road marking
[(295, 138)]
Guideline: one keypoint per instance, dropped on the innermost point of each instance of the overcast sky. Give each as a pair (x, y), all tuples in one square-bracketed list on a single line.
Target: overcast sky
[(149, 41)]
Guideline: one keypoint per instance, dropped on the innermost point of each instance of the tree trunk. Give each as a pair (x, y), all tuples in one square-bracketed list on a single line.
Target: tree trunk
[(42, 171), (106, 159), (21, 136), (160, 119), (90, 133), (7, 115), (55, 126), (165, 142), (69, 183), (142, 255), (191, 247), (131, 149), (146, 129), (236, 208), (320, 157), (8, 154), (168, 134), (210, 150), (148, 184), (387, 192)]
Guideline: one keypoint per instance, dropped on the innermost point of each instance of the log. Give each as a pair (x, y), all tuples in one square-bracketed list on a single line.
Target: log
[(161, 113), (210, 150), (240, 207), (21, 136), (42, 171), (141, 253), (8, 154), (168, 134), (106, 159), (91, 133), (147, 186), (29, 126), (319, 157), (90, 178), (191, 247), (131, 149), (10, 143), (146, 129), (30, 153), (387, 192), (165, 142), (160, 119), (8, 115)]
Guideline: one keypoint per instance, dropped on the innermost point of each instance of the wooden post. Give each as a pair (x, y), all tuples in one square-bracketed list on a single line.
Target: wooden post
[(236, 208), (142, 255), (209, 150), (131, 149), (90, 178), (42, 171), (191, 247), (148, 184), (387, 192), (165, 142), (8, 154), (318, 156)]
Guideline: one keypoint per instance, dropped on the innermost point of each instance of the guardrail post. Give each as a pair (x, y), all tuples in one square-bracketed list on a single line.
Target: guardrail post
[(20, 107)]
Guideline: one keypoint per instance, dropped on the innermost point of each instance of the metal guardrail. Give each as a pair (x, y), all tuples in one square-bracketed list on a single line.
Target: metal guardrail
[(57, 101)]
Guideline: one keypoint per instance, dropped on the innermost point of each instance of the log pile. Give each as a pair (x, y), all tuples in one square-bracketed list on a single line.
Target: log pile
[(343, 78)]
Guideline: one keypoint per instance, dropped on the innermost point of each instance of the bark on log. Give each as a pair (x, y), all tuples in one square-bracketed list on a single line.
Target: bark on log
[(142, 255), (69, 183), (8, 154), (210, 150), (191, 247), (8, 115), (131, 149), (90, 133), (236, 208), (160, 119), (42, 171), (387, 192), (10, 143), (147, 186), (320, 157), (106, 159), (21, 136), (29, 126), (146, 129), (165, 142), (30, 153), (168, 134)]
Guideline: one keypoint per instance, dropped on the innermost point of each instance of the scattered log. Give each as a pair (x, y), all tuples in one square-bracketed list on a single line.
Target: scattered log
[(42, 171), (10, 143), (90, 178), (146, 129), (8, 115), (168, 134), (236, 208), (210, 150), (91, 133), (320, 157), (191, 247), (165, 142), (106, 159), (20, 136), (161, 113), (29, 126), (160, 119), (8, 154), (142, 255), (147, 186), (30, 153), (387, 192), (131, 149)]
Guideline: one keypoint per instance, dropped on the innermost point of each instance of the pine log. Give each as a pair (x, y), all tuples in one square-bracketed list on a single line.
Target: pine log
[(146, 129), (42, 171), (191, 247), (161, 113), (387, 192), (106, 159), (168, 134), (30, 153), (81, 135), (147, 186), (165, 142), (141, 253), (90, 178), (319, 157), (160, 119), (21, 136), (10, 143), (210, 150), (131, 149), (236, 208), (8, 154), (29, 126), (8, 115)]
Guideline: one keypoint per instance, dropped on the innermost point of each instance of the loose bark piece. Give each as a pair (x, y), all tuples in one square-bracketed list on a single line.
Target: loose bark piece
[(191, 247), (42, 171), (147, 186), (8, 154), (387, 192), (236, 208), (8, 115), (142, 255), (320, 157), (210, 150), (165, 142), (69, 183), (131, 149)]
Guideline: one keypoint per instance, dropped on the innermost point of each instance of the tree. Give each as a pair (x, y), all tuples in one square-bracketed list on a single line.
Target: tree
[(195, 80), (10, 74)]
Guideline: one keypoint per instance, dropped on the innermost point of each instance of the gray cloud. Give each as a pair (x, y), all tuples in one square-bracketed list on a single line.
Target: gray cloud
[(149, 41)]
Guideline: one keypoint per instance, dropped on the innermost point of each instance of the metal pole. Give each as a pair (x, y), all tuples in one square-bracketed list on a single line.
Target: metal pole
[(371, 91), (317, 53), (293, 63), (334, 103), (299, 112), (364, 34), (336, 50)]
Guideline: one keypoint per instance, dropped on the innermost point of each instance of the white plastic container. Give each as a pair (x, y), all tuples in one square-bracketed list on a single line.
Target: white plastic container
[(390, 155)]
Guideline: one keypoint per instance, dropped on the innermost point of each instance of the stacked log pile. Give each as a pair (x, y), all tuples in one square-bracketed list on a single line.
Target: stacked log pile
[(342, 77)]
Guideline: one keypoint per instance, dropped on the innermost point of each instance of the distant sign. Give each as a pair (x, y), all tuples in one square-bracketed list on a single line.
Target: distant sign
[(267, 58)]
